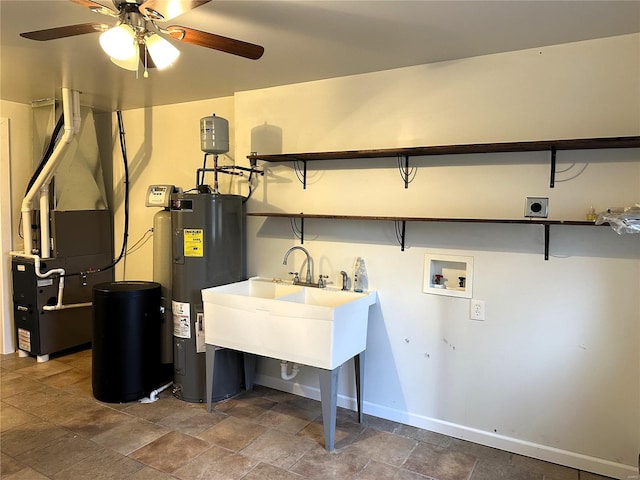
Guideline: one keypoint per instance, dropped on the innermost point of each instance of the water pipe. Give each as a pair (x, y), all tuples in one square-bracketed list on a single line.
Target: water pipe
[(284, 370), (39, 274), (153, 396), (45, 234)]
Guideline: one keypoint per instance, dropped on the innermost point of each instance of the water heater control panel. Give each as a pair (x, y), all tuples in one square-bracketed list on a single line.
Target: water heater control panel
[(159, 196)]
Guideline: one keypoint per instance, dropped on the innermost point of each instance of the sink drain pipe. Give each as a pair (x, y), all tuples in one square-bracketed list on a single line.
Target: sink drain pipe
[(153, 396), (284, 370)]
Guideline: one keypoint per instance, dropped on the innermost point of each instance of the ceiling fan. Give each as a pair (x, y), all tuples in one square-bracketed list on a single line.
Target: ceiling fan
[(137, 38)]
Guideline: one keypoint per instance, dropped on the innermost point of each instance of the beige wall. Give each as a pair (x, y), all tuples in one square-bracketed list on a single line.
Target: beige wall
[(559, 344), (559, 91), (21, 156)]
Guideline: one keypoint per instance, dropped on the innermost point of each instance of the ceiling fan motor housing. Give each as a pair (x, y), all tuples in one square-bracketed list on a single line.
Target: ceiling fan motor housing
[(129, 15), (140, 17)]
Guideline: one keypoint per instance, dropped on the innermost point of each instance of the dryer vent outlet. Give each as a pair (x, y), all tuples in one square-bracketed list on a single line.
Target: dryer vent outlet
[(536, 207)]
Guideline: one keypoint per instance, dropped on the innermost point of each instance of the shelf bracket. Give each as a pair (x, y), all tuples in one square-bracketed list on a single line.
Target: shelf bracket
[(547, 229), (401, 228), (407, 174), (301, 172), (552, 181), (298, 231)]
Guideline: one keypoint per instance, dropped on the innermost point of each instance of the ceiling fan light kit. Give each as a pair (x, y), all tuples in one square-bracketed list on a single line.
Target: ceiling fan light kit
[(137, 38), (130, 63), (123, 42), (162, 52), (123, 46), (119, 42)]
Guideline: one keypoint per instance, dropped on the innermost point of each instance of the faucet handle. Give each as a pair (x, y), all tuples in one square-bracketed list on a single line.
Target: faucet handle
[(345, 280), (296, 277), (322, 280)]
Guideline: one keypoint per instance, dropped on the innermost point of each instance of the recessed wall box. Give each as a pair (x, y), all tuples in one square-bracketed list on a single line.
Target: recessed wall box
[(536, 207), (443, 273)]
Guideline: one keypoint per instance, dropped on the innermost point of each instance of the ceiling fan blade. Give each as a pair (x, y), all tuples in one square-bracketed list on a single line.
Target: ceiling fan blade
[(66, 31), (163, 10), (96, 7), (216, 42)]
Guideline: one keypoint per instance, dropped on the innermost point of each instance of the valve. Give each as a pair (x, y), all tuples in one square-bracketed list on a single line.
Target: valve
[(296, 277)]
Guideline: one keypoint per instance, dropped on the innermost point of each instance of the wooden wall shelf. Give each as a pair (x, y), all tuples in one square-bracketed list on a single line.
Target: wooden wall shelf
[(551, 146), (532, 221), (503, 147), (402, 221)]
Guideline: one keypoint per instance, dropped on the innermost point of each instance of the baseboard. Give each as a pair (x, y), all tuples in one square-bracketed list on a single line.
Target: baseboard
[(490, 439)]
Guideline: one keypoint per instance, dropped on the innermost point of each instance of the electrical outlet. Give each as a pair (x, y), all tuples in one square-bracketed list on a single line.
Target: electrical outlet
[(476, 311), (536, 207)]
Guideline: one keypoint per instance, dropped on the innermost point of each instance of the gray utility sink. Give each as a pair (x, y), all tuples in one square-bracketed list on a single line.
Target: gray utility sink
[(317, 327)]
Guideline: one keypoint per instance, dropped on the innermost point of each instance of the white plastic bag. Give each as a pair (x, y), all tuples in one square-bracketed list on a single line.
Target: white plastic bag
[(622, 220)]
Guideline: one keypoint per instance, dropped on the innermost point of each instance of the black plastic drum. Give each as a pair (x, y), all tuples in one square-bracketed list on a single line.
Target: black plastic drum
[(126, 340)]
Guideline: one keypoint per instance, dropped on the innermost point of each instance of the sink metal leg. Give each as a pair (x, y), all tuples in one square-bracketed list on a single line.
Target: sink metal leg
[(210, 354), (358, 361), (249, 370), (329, 400)]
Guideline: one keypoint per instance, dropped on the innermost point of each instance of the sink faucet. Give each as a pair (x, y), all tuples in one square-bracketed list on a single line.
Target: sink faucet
[(309, 275)]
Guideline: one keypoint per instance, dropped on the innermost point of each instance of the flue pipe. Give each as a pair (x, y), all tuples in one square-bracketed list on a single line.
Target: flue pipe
[(71, 112), (45, 234)]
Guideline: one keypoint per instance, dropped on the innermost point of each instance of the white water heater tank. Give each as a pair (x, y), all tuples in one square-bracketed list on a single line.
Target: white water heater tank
[(214, 134)]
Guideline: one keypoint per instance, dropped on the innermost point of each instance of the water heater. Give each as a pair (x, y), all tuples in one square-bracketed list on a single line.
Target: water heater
[(208, 250)]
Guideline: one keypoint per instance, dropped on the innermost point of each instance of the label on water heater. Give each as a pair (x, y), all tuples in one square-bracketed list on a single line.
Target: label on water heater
[(200, 344), (181, 319), (24, 339), (193, 242)]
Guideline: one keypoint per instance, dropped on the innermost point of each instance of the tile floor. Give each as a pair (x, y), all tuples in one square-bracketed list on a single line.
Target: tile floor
[(51, 427)]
